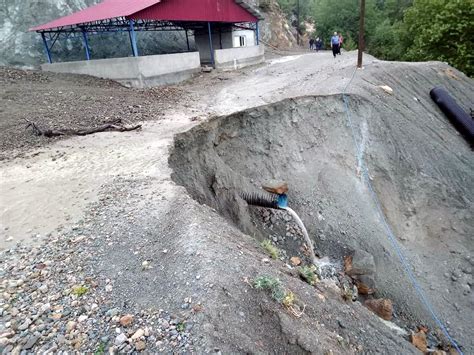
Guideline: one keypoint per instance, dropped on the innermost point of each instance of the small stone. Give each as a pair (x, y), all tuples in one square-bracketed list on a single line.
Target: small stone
[(56, 316), (362, 264), (112, 312), (146, 265), (126, 320), (43, 288), (140, 345), (419, 340), (30, 342), (82, 318), (276, 187), (295, 261), (25, 324), (138, 334), (71, 325), (45, 308), (108, 288), (14, 311), (365, 284), (120, 339), (382, 307)]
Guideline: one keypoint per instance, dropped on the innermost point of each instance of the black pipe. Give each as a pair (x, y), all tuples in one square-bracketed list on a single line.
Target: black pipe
[(460, 119), (261, 199)]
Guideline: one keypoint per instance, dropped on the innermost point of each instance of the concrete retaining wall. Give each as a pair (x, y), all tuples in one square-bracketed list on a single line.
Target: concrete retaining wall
[(234, 58), (140, 72)]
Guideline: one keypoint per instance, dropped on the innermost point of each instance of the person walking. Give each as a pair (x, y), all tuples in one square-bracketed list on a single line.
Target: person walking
[(335, 44), (311, 44), (341, 40), (318, 44)]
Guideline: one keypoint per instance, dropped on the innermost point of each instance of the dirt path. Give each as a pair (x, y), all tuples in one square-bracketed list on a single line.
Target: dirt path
[(52, 186)]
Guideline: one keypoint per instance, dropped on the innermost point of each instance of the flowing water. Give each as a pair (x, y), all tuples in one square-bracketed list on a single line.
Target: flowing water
[(326, 269)]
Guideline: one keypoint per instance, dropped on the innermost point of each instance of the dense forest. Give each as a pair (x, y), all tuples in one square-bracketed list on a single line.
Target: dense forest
[(412, 30)]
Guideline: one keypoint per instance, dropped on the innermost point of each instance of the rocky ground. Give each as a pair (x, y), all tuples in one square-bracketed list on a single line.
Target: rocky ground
[(140, 265), (61, 101)]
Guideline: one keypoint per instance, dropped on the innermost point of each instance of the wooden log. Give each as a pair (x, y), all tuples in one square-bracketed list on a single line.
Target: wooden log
[(114, 126)]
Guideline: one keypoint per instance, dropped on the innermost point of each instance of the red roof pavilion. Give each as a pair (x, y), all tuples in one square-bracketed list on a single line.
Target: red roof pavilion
[(159, 10)]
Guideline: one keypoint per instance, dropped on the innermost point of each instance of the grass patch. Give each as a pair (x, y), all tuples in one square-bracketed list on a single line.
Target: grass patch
[(79, 290), (271, 284), (180, 327), (289, 299), (308, 273), (283, 296), (100, 349), (270, 249)]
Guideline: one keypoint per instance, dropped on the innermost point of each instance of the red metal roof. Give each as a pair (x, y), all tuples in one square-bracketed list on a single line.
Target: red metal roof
[(102, 11), (172, 10), (192, 10)]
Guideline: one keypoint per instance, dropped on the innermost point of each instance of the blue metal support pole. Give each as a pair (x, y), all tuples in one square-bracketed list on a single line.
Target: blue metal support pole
[(257, 34), (210, 43), (48, 53), (86, 44), (133, 39), (187, 39), (220, 37)]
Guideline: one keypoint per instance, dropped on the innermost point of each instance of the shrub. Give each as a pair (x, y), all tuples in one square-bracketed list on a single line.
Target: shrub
[(272, 284), (308, 273), (79, 290), (270, 249)]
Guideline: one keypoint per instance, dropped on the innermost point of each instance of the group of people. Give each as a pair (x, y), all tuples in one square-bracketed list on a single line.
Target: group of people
[(315, 44), (336, 44)]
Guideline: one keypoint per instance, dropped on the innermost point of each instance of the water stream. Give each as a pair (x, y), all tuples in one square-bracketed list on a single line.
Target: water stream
[(325, 267)]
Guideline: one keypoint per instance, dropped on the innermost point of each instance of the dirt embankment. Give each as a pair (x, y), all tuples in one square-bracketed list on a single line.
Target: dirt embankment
[(419, 165)]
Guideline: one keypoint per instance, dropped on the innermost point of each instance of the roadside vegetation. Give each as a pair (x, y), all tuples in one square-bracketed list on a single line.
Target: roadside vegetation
[(408, 30), (270, 249)]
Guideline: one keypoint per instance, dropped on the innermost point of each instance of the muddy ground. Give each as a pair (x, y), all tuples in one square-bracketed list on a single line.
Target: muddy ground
[(107, 211)]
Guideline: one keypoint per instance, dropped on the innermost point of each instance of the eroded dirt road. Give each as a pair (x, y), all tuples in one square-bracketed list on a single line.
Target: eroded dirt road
[(115, 190)]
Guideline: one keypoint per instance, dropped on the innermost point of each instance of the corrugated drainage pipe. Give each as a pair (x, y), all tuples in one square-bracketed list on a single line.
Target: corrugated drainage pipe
[(460, 119)]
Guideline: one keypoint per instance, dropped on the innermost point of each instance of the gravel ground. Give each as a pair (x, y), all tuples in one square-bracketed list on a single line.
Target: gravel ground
[(131, 277), (59, 101)]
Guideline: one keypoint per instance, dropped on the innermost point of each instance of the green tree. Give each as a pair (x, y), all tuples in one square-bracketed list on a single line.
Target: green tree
[(343, 16), (442, 30), (392, 10), (386, 41)]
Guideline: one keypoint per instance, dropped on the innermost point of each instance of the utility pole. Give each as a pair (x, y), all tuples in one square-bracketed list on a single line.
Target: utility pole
[(298, 22), (361, 33)]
